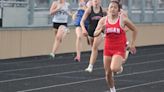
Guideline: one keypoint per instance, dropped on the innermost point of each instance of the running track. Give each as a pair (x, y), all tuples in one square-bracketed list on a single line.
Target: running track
[(143, 72)]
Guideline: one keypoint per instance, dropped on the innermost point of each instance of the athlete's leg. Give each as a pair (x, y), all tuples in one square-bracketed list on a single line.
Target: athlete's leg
[(116, 64), (90, 40), (59, 36), (108, 73), (97, 41), (125, 58), (94, 53), (78, 43), (55, 33)]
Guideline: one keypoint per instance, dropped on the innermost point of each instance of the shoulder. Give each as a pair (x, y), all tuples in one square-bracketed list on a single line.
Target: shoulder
[(101, 9), (89, 9), (123, 21), (123, 18), (54, 3), (89, 3)]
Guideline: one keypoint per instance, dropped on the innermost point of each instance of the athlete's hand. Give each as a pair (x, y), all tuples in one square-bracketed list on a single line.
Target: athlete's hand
[(97, 33), (85, 33), (133, 49), (74, 16)]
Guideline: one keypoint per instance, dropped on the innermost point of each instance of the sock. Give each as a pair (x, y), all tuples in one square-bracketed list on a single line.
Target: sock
[(52, 54), (90, 66), (112, 89)]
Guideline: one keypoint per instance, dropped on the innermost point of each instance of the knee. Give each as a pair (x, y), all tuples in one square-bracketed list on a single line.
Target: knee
[(58, 38), (78, 37), (115, 69)]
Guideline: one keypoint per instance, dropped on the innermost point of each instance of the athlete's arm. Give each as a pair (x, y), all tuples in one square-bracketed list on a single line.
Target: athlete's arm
[(69, 12), (100, 27), (54, 8), (74, 15), (133, 28), (89, 3), (86, 14)]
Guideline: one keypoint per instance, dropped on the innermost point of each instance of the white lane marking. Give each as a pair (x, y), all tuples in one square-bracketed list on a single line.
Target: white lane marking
[(65, 84), (12, 70), (27, 61), (139, 85), (90, 80), (47, 75), (39, 67)]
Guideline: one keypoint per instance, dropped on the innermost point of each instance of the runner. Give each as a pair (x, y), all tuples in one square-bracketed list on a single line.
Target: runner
[(115, 41), (94, 14), (60, 12)]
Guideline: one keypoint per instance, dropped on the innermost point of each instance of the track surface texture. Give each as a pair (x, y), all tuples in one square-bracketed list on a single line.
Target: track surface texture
[(143, 72)]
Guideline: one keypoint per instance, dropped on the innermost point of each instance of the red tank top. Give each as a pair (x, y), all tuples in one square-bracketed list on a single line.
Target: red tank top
[(115, 35)]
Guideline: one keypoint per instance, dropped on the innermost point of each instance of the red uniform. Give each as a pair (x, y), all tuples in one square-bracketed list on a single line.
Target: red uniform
[(115, 39)]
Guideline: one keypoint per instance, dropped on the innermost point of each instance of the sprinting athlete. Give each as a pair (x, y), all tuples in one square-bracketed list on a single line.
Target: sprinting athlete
[(77, 19), (115, 41), (60, 12), (94, 14)]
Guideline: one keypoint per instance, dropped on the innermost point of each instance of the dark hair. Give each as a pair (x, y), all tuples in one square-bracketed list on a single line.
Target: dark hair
[(116, 0), (118, 3)]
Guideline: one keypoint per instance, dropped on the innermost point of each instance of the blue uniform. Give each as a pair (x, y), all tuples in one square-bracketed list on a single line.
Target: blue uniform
[(79, 16)]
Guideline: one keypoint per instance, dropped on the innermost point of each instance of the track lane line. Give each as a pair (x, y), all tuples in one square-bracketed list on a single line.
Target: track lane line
[(91, 80), (39, 67), (61, 73)]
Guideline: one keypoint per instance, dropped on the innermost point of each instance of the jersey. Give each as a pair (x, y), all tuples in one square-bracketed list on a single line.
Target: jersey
[(93, 20), (115, 39), (79, 14), (61, 15)]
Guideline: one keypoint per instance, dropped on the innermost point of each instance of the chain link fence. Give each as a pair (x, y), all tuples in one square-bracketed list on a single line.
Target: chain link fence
[(35, 13)]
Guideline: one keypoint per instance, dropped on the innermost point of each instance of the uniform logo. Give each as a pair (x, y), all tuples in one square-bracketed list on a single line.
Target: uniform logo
[(113, 30), (96, 17)]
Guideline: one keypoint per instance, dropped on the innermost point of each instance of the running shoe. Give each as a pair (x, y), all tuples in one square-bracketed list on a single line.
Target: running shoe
[(52, 55), (89, 69), (77, 59)]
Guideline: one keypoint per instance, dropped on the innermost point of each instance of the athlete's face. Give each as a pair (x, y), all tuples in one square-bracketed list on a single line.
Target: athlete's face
[(113, 8)]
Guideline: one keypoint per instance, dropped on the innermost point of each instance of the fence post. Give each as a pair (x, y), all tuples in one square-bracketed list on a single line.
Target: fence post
[(31, 12), (154, 10)]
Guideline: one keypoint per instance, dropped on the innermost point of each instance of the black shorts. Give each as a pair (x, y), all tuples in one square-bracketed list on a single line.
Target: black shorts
[(91, 31), (56, 25)]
